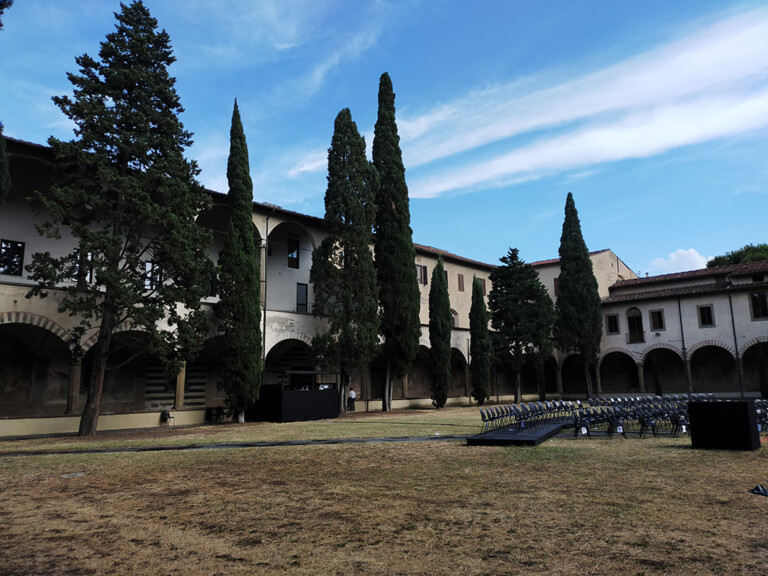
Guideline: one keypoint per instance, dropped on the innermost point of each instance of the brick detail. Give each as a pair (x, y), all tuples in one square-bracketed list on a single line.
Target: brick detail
[(17, 317)]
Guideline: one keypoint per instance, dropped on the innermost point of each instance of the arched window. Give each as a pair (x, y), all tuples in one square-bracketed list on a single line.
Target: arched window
[(635, 326)]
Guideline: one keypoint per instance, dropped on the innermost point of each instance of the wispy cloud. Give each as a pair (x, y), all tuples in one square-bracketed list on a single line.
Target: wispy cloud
[(679, 261), (638, 135)]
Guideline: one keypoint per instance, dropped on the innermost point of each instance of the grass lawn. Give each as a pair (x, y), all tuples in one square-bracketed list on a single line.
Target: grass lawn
[(569, 506)]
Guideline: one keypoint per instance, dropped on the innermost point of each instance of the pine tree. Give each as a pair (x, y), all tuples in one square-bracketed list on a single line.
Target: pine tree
[(439, 336), (579, 322), (342, 271), (399, 294), (479, 344), (522, 312), (129, 198), (4, 5), (239, 284)]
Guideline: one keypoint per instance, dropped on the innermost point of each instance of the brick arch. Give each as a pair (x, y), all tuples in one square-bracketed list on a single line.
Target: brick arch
[(38, 320), (122, 327), (747, 345), (664, 346), (704, 343), (301, 336), (637, 358), (424, 341)]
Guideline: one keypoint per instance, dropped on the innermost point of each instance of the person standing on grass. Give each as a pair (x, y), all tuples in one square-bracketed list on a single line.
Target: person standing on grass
[(351, 400)]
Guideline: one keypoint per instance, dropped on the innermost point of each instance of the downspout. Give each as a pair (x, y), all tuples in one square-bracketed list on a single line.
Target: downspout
[(264, 320), (685, 351), (735, 344)]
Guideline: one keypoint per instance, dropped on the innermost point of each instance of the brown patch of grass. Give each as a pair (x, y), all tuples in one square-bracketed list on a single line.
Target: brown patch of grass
[(568, 507)]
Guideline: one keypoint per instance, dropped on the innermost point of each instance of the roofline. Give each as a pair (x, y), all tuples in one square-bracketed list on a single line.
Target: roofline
[(746, 268), (557, 260), (450, 256)]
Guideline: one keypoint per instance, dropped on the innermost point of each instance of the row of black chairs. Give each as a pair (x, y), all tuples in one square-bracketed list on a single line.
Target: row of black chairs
[(653, 416), (516, 417)]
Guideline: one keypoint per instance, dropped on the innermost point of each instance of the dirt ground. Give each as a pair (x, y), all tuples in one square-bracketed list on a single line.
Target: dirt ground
[(568, 507)]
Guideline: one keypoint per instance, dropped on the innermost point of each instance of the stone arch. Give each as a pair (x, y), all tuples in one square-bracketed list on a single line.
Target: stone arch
[(664, 370), (16, 317), (289, 355), (660, 346), (705, 343), (613, 349), (747, 345), (458, 385), (293, 335), (754, 361), (418, 376), (122, 327), (619, 372), (713, 367)]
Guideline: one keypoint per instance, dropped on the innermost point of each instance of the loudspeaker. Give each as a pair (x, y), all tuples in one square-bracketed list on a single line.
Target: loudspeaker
[(724, 425)]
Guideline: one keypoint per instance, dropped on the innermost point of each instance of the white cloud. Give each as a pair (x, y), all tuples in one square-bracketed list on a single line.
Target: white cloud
[(639, 135), (730, 52), (679, 261)]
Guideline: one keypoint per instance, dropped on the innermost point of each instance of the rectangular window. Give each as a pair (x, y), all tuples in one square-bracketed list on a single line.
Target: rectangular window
[(759, 301), (445, 275), (302, 291), (82, 271), (293, 252), (461, 282), (482, 281), (611, 323), (421, 274), (557, 286), (11, 257), (213, 287), (152, 276), (657, 320), (706, 316)]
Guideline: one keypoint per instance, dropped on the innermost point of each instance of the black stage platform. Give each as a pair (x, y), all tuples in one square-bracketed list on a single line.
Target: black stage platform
[(511, 437)]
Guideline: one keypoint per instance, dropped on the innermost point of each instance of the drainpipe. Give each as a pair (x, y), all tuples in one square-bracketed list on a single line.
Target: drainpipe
[(735, 344), (685, 352), (264, 329)]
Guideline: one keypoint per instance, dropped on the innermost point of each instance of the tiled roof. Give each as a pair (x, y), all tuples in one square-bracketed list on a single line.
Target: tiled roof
[(719, 287), (449, 256), (747, 269), (557, 260)]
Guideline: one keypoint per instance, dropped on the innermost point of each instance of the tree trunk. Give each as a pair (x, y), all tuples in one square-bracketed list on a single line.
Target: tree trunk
[(343, 392), (90, 418), (518, 387), (386, 399), (588, 375)]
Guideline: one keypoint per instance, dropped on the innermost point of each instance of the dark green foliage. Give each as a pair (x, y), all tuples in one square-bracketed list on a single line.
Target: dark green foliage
[(239, 309), (748, 253), (5, 170), (129, 197), (522, 313), (439, 336), (479, 345), (4, 5), (342, 272), (393, 246), (579, 322)]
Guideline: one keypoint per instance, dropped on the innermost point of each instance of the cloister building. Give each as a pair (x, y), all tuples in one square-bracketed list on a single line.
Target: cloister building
[(703, 330)]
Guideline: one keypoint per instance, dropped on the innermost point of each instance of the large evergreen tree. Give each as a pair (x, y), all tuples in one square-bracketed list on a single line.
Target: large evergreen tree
[(579, 322), (129, 198), (4, 5), (439, 336), (399, 294), (479, 344), (522, 313), (748, 253), (342, 272), (239, 309)]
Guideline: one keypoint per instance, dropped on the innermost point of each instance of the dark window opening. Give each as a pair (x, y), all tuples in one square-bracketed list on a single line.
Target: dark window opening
[(11, 257), (461, 282), (657, 320), (612, 324), (302, 291), (706, 316), (293, 252), (759, 305)]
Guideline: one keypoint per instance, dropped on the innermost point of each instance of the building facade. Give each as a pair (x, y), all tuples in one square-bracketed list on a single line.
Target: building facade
[(653, 327)]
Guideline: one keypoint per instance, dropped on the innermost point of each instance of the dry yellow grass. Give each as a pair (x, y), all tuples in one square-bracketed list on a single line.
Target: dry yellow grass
[(568, 507)]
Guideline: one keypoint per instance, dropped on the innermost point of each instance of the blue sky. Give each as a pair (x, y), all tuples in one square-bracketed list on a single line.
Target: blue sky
[(654, 114)]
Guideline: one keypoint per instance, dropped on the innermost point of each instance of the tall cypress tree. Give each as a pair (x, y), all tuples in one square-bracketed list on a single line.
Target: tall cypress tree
[(399, 294), (579, 321), (239, 305), (439, 336), (479, 344), (522, 312), (342, 271), (129, 198)]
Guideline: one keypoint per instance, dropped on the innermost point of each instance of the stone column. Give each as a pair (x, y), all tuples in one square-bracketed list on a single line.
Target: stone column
[(641, 377), (181, 379), (598, 379), (73, 393), (688, 376), (559, 378)]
